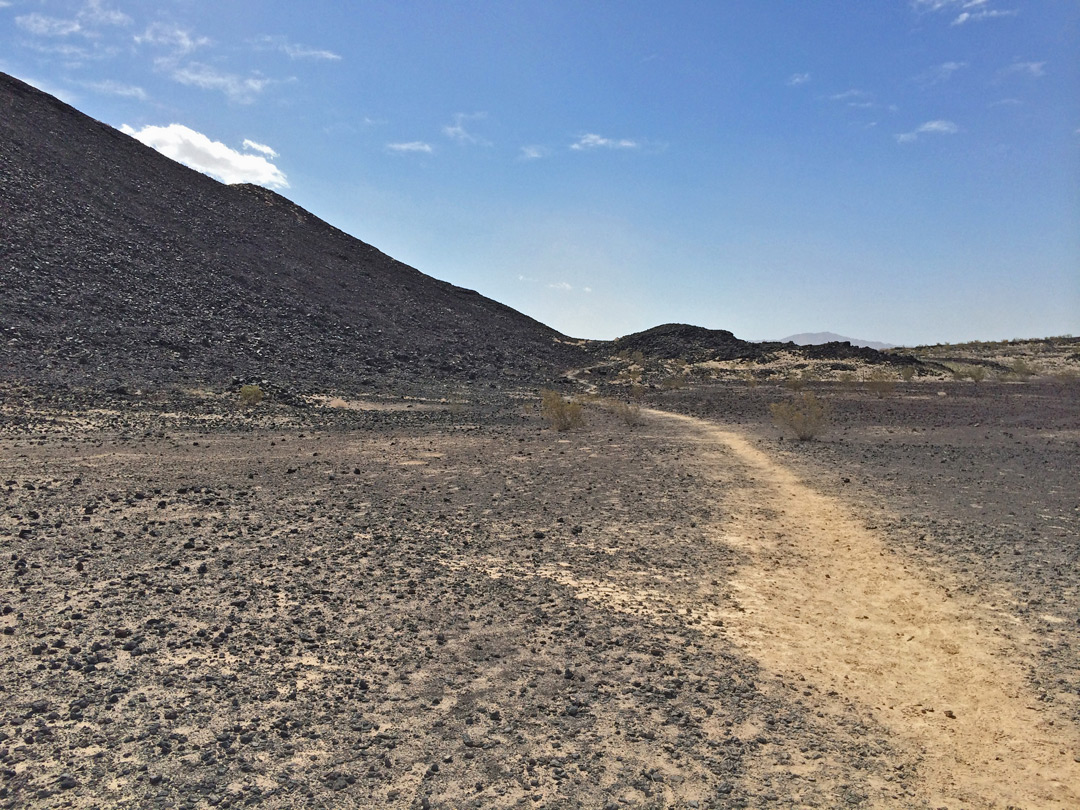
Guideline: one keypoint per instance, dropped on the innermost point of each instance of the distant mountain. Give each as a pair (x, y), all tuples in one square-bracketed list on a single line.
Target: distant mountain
[(121, 266), (818, 338)]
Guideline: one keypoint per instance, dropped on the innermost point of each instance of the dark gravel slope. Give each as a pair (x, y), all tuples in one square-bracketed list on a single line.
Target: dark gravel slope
[(118, 263)]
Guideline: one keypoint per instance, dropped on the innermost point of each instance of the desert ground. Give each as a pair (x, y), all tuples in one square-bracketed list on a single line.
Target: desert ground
[(444, 603)]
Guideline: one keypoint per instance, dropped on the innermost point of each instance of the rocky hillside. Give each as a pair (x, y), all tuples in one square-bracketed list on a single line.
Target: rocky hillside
[(696, 344), (121, 267)]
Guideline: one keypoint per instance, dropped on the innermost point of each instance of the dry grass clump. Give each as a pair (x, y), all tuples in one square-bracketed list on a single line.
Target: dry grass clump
[(560, 413), (804, 415)]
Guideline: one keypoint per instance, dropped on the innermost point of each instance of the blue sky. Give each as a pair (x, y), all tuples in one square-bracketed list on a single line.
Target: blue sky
[(897, 170)]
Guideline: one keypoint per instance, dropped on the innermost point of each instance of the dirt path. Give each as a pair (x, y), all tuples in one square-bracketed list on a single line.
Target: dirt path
[(826, 599)]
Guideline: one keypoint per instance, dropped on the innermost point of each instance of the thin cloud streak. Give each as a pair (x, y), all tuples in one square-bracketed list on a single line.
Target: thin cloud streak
[(114, 88), (1033, 70), (180, 40), (236, 88), (414, 147), (939, 127), (593, 141), (294, 50), (43, 26)]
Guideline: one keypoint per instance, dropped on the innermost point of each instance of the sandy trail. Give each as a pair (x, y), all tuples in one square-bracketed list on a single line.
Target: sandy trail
[(825, 598)]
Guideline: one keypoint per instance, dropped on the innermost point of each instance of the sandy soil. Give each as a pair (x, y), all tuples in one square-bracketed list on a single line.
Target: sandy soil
[(207, 607)]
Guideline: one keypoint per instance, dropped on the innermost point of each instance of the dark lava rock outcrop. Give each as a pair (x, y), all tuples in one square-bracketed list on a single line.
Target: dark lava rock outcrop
[(696, 344)]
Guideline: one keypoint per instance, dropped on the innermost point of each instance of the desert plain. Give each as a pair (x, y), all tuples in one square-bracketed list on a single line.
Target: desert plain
[(441, 602)]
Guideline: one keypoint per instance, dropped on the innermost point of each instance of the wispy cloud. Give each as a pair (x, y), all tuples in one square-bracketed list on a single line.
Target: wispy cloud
[(984, 14), (941, 73), (795, 79), (237, 88), (533, 152), (593, 141), (260, 147), (296, 51), (1031, 70), (114, 88), (458, 133), (95, 12), (938, 127), (966, 11), (178, 39), (44, 26), (851, 95), (855, 98), (214, 158), (410, 147)]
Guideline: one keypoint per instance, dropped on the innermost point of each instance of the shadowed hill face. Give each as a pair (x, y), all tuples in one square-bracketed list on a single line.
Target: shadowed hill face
[(696, 344), (120, 265)]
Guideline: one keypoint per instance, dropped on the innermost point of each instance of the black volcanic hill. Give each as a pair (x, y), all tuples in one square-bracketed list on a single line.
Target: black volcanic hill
[(697, 344), (121, 266)]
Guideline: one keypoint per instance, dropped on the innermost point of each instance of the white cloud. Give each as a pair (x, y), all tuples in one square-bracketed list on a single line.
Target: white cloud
[(178, 39), (457, 132), (798, 78), (260, 147), (44, 26), (411, 146), (929, 128), (592, 141), (560, 285), (534, 152), (1030, 69), (295, 51), (113, 88), (237, 88), (214, 158)]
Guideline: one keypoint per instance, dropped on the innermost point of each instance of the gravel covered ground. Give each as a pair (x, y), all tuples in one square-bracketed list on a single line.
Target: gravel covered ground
[(431, 605)]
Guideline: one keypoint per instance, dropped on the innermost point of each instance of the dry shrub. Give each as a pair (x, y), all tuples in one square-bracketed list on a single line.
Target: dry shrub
[(976, 373), (804, 414), (1022, 369), (628, 412), (907, 373), (881, 382), (673, 382), (250, 395), (560, 413)]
